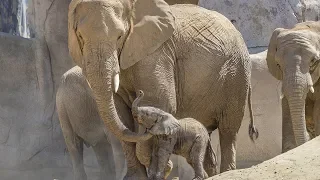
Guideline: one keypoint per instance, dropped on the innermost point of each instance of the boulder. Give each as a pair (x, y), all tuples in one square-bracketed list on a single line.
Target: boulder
[(299, 163), (256, 19)]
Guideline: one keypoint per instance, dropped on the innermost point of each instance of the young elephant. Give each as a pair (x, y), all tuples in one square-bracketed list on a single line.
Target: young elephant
[(186, 137), (81, 124)]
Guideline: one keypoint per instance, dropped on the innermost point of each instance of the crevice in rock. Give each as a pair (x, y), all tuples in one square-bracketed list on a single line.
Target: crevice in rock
[(36, 153), (51, 71)]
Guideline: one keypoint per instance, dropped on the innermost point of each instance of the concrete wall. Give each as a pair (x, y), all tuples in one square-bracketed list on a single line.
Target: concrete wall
[(31, 143)]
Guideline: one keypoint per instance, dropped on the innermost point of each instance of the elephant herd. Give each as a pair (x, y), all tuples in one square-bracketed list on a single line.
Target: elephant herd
[(189, 63)]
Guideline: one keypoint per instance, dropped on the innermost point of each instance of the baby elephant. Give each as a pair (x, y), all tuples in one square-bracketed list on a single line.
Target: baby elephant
[(186, 137)]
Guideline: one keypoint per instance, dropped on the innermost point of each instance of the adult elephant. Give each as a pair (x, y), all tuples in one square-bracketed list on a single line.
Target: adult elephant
[(189, 61), (81, 124), (293, 57)]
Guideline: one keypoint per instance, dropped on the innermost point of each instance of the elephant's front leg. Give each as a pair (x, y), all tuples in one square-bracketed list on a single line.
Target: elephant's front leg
[(316, 117), (135, 170), (162, 150), (144, 151), (288, 139)]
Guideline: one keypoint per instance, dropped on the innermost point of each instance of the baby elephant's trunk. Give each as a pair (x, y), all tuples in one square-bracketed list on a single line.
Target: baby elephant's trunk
[(210, 161), (135, 103)]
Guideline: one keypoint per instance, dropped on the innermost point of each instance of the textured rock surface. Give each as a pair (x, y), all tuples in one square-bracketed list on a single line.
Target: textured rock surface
[(9, 16), (31, 143), (256, 19), (299, 163)]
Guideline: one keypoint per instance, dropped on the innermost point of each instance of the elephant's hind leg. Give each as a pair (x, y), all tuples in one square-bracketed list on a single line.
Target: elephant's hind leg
[(228, 149), (74, 145), (104, 154), (229, 125)]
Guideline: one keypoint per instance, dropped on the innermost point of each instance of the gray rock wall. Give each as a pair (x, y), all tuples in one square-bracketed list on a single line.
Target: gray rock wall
[(256, 19), (31, 143), (9, 16)]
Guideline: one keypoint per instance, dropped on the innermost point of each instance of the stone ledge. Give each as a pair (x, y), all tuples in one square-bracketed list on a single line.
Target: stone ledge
[(302, 162)]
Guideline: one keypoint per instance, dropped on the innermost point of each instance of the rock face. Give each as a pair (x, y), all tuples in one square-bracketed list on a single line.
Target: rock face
[(30, 134), (256, 19), (299, 163), (13, 18), (9, 16)]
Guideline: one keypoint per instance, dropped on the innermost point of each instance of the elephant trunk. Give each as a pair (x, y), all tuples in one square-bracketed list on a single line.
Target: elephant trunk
[(135, 103), (295, 88), (100, 69)]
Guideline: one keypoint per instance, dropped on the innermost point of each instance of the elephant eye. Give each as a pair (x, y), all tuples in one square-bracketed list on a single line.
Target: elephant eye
[(119, 38)]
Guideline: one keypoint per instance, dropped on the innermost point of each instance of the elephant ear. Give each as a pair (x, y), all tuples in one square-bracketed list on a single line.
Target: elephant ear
[(271, 55), (168, 125), (153, 24), (73, 42)]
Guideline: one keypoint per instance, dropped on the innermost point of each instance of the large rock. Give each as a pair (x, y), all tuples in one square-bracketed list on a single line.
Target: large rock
[(256, 20), (300, 163), (9, 16), (31, 138)]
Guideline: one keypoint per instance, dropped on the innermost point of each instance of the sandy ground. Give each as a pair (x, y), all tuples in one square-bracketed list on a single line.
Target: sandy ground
[(302, 162)]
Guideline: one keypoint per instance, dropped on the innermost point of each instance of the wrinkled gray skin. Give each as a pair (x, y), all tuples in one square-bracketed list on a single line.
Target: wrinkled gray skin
[(293, 57), (185, 137), (189, 62), (81, 124)]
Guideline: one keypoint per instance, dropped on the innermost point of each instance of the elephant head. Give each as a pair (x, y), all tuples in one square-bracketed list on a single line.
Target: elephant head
[(155, 120), (106, 35), (293, 57)]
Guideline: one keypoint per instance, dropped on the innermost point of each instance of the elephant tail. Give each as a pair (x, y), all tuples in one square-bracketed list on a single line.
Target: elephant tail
[(210, 161), (253, 131)]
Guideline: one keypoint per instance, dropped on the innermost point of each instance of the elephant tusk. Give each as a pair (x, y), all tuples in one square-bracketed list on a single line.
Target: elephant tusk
[(88, 83), (281, 95), (116, 82), (311, 89), (310, 83)]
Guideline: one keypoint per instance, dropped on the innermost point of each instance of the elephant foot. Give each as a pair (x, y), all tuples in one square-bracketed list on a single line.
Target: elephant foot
[(136, 173), (287, 146)]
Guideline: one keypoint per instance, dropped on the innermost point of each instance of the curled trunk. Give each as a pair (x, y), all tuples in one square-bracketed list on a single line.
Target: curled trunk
[(135, 103)]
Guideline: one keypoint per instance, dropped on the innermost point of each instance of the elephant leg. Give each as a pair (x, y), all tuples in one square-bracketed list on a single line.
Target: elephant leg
[(135, 170), (162, 150), (316, 117), (228, 149), (120, 163), (229, 125), (197, 154), (288, 139), (104, 154), (74, 145), (144, 151)]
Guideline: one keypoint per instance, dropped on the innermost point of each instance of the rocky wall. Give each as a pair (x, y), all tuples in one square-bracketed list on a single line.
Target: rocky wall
[(31, 142)]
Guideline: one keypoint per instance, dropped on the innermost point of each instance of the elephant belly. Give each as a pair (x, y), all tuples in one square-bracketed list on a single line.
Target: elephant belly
[(212, 64)]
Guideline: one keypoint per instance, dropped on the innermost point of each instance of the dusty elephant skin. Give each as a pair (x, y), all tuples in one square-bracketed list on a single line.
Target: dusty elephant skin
[(186, 137), (293, 57), (189, 62), (81, 124)]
